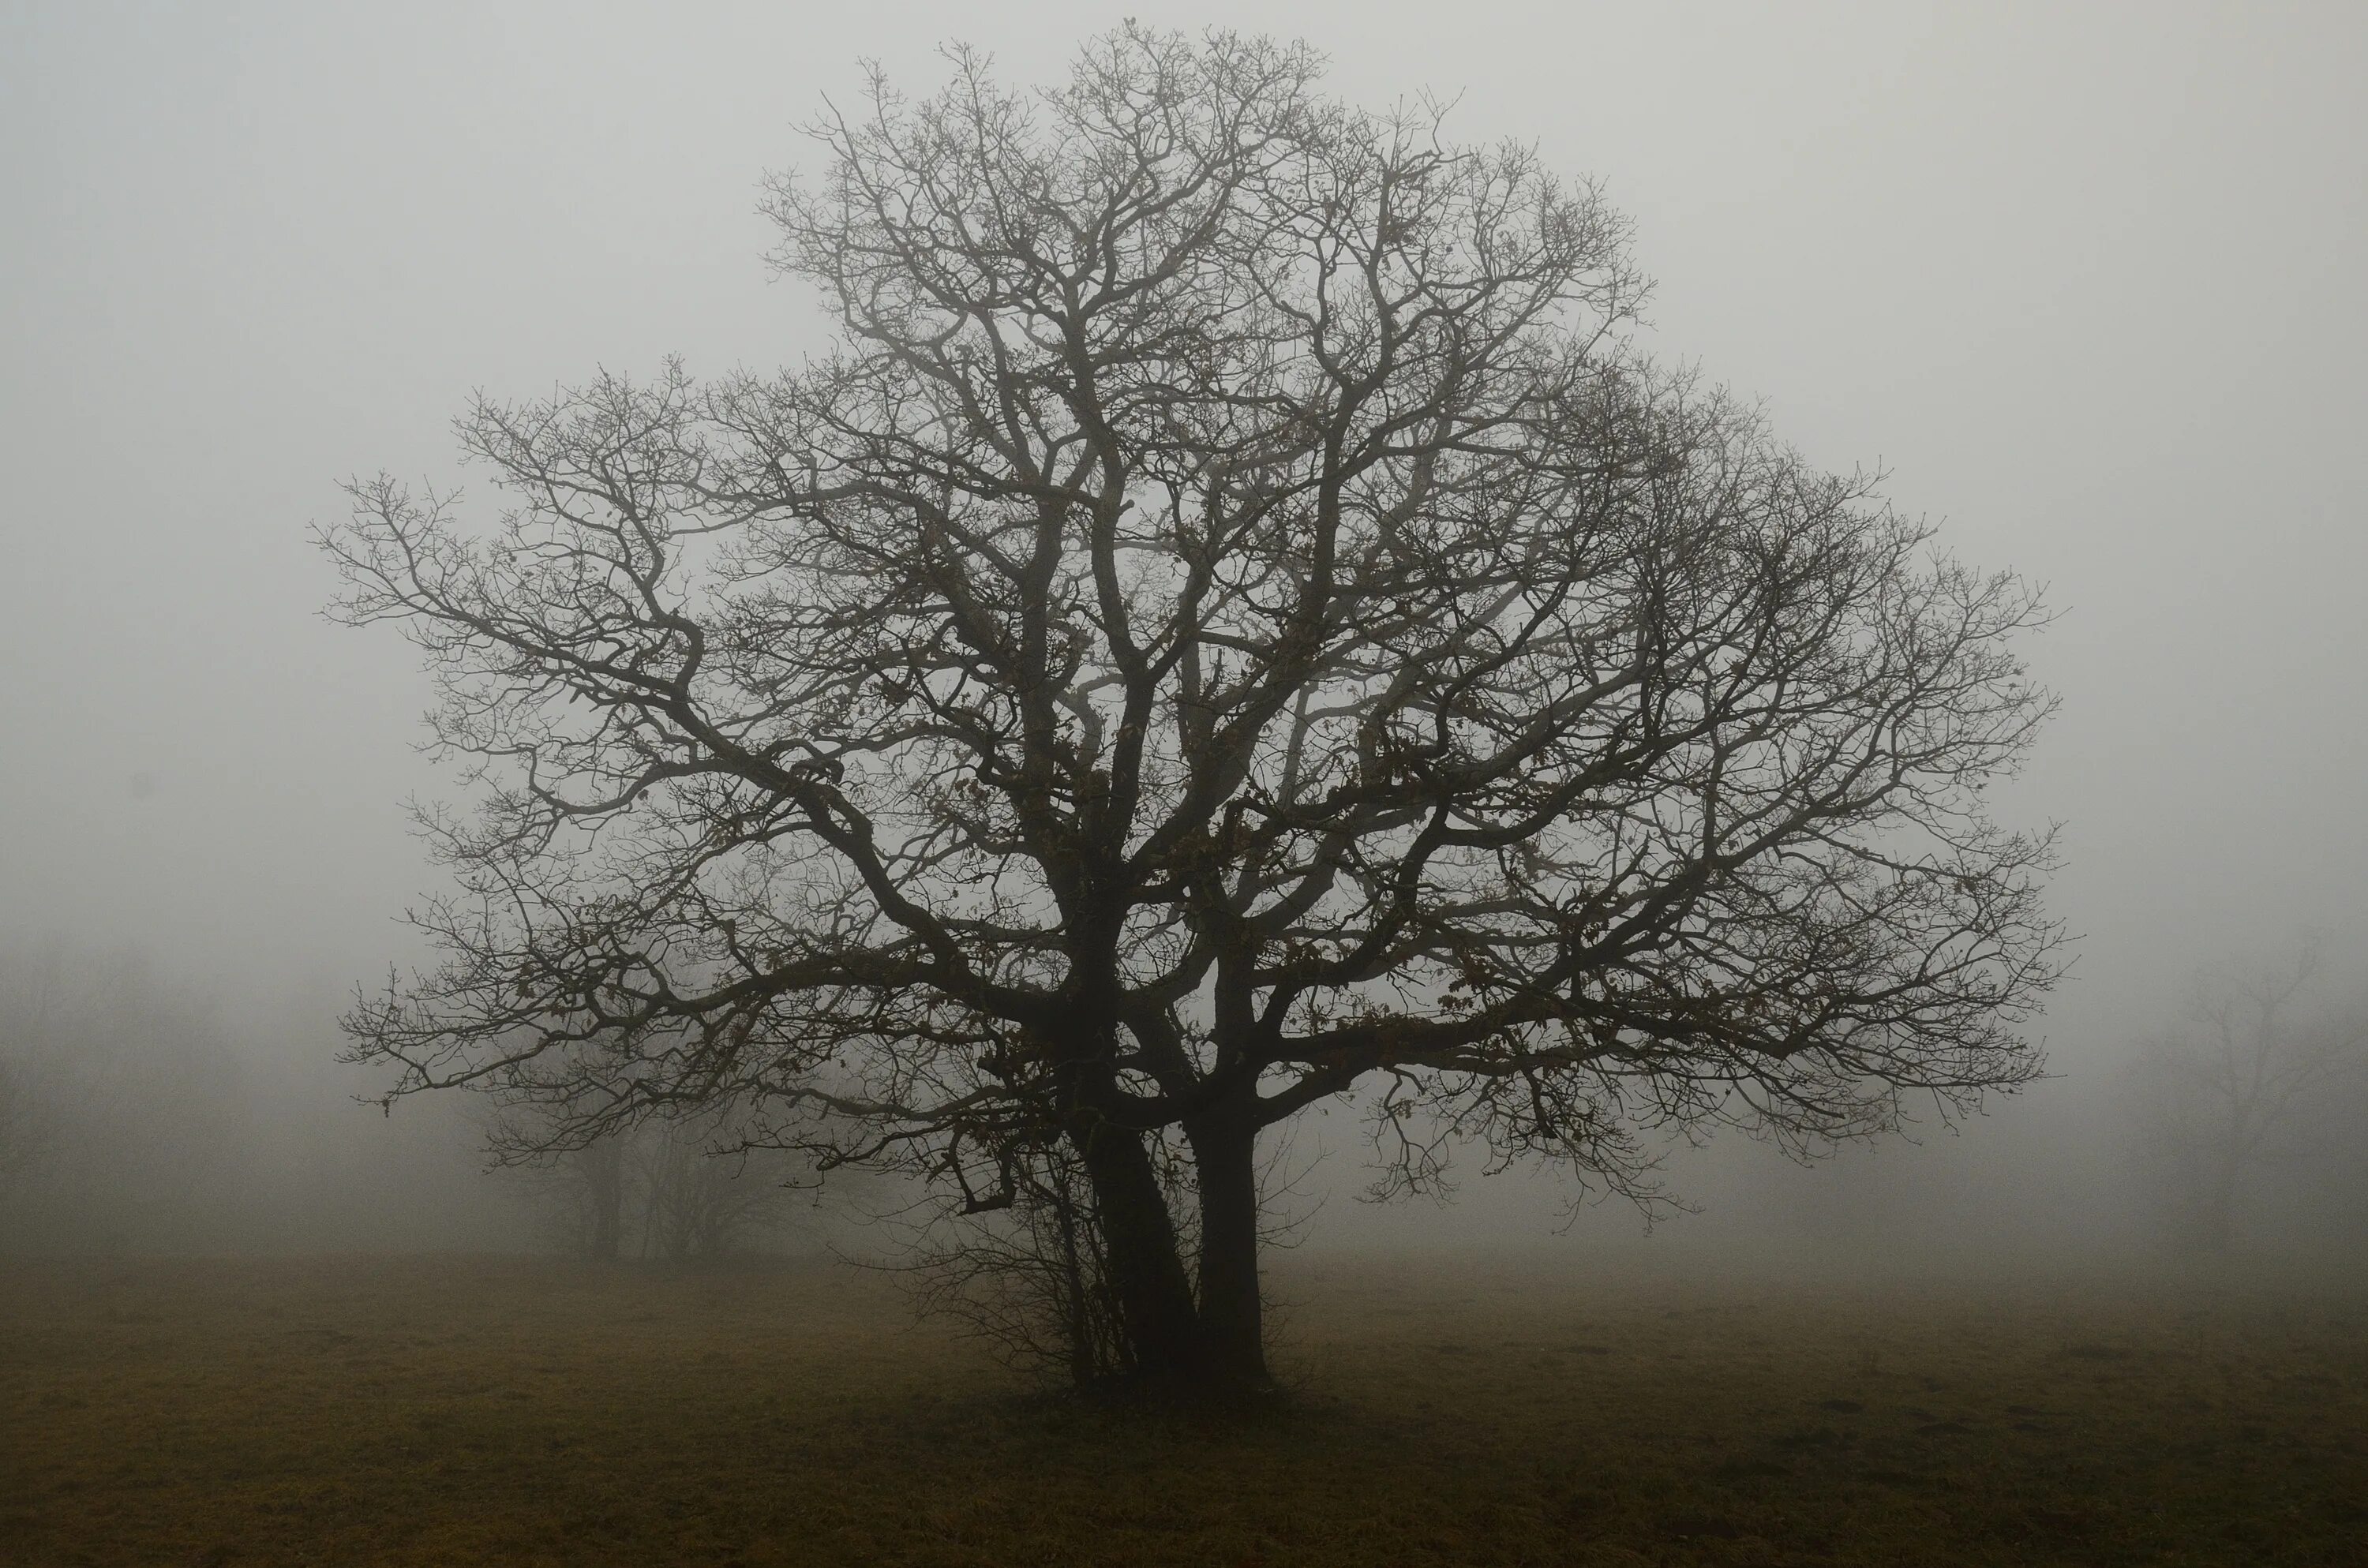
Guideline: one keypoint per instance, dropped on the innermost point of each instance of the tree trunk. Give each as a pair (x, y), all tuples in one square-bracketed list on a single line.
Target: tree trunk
[(1146, 1269), (1233, 1328)]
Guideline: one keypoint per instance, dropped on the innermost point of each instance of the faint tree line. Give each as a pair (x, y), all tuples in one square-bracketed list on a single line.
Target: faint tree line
[(124, 1110)]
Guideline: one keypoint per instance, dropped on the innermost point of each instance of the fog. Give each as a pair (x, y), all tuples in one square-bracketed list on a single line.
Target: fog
[(2085, 281)]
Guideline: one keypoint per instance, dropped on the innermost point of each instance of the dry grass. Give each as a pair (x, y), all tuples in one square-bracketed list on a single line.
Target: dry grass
[(472, 1410)]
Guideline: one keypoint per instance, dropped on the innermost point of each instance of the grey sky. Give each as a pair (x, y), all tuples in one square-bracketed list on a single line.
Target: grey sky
[(2085, 278)]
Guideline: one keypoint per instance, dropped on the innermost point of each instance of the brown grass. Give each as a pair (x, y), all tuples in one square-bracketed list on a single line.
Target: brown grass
[(476, 1411)]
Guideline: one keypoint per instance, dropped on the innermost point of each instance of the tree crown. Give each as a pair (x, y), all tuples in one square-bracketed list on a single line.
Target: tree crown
[(1232, 619)]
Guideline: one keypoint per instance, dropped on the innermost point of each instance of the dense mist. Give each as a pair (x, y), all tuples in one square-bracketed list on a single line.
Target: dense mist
[(2082, 283)]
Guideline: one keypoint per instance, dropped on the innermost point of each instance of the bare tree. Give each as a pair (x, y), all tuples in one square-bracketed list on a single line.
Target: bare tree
[(597, 1184), (2236, 1091), (679, 1188), (1230, 624), (704, 1192)]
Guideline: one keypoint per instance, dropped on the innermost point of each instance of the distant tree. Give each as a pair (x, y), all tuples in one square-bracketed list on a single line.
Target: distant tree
[(599, 1171), (121, 1105), (705, 1193), (53, 1072), (1232, 625), (677, 1189), (25, 1130), (2239, 1088)]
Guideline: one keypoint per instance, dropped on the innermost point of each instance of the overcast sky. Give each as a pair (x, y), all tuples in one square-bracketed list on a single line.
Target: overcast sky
[(2086, 280)]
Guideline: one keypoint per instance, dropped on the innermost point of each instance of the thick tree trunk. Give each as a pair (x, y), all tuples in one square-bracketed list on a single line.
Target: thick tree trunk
[(1233, 1327), (1147, 1277)]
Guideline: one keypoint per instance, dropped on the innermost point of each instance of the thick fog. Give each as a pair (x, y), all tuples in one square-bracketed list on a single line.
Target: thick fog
[(2085, 281)]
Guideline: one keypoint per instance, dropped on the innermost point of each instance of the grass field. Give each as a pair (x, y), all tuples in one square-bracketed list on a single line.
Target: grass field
[(430, 1410)]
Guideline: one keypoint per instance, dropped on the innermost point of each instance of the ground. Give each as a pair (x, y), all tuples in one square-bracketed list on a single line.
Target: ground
[(462, 1411)]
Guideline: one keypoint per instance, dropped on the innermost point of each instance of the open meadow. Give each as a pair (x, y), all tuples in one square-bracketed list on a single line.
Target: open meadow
[(450, 1411)]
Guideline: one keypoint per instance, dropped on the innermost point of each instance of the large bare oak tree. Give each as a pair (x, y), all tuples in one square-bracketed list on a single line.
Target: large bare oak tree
[(1231, 624)]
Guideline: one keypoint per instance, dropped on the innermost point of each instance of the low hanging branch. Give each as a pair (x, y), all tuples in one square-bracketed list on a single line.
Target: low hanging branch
[(1230, 623)]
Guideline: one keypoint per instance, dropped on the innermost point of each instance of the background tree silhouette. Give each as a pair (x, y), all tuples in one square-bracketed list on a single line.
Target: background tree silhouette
[(1231, 623), (2263, 1073)]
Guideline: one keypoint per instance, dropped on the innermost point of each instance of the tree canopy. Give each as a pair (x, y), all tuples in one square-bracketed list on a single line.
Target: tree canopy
[(1231, 623)]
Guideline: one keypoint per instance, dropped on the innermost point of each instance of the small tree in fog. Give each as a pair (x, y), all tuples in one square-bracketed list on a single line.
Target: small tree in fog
[(2246, 1084), (704, 1193), (673, 1189), (1231, 625), (596, 1185)]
